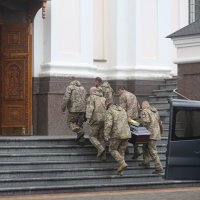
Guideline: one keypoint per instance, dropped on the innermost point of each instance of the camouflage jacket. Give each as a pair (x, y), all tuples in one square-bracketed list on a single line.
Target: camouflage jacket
[(107, 92), (96, 108), (150, 119), (74, 98), (129, 103), (116, 124)]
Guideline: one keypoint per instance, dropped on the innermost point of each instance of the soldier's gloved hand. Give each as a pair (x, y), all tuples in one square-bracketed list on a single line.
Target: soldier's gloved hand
[(129, 119)]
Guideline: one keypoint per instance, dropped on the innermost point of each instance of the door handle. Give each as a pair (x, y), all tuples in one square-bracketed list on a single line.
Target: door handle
[(197, 152)]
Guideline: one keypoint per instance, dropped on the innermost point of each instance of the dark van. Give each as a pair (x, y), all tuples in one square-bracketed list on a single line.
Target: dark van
[(183, 154)]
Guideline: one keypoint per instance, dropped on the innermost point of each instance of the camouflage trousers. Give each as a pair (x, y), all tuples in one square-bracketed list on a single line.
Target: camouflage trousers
[(150, 150), (136, 151), (96, 136), (117, 148), (75, 122)]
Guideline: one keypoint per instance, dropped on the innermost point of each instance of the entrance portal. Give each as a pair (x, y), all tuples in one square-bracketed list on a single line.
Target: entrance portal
[(16, 18), (16, 95)]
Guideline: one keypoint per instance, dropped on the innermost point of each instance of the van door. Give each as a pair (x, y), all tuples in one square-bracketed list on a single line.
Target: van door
[(183, 154)]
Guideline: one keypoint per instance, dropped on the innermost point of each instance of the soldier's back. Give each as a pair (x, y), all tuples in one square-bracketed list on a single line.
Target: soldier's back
[(121, 129), (78, 97)]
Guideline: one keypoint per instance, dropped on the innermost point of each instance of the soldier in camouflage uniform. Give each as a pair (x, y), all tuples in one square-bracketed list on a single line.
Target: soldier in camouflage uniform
[(75, 102), (117, 132), (95, 114), (106, 88), (129, 102), (151, 120)]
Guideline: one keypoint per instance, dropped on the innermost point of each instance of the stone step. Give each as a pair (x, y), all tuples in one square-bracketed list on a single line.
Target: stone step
[(170, 86), (62, 143), (97, 187), (57, 181), (46, 149), (171, 80), (50, 149), (164, 118), (163, 112), (164, 92), (165, 125), (34, 141), (161, 98), (54, 156), (17, 174), (160, 104), (165, 132), (38, 141), (67, 164)]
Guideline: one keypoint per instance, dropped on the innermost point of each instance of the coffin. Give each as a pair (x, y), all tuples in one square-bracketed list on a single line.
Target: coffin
[(139, 135)]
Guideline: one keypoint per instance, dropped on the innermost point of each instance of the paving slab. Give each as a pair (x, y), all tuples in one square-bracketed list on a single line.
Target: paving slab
[(153, 194)]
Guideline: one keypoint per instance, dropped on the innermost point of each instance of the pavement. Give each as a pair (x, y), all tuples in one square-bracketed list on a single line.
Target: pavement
[(192, 193)]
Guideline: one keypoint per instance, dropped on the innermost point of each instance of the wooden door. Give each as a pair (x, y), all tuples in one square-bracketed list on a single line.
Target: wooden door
[(16, 80)]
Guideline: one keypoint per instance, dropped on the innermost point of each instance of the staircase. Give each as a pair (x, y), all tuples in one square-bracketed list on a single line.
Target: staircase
[(45, 164), (52, 164), (159, 99)]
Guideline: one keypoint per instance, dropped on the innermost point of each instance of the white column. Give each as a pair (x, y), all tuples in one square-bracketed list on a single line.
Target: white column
[(41, 40), (133, 38), (126, 33), (37, 44), (152, 46), (68, 48), (120, 38), (137, 47), (178, 19)]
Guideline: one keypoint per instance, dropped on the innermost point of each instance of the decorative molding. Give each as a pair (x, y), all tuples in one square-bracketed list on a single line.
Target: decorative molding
[(113, 73), (44, 5), (187, 41), (187, 48), (187, 60), (99, 60)]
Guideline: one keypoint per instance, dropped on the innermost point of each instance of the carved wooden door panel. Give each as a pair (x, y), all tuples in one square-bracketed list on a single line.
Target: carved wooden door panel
[(16, 80)]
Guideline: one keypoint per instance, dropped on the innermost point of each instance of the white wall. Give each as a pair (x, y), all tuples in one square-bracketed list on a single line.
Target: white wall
[(155, 20), (68, 39), (115, 39), (37, 44)]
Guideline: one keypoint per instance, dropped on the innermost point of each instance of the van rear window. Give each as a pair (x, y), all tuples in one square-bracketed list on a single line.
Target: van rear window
[(187, 124)]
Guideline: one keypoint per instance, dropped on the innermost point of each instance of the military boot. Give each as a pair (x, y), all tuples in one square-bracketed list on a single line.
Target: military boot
[(136, 155), (80, 139), (158, 171), (102, 157), (100, 153), (145, 165), (122, 166), (136, 152)]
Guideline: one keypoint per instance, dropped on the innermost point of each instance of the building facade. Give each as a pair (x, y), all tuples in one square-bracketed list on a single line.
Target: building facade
[(122, 41)]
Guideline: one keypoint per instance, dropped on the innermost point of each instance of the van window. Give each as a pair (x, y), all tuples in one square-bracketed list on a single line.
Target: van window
[(187, 124)]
